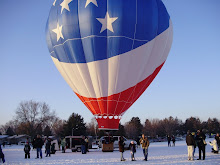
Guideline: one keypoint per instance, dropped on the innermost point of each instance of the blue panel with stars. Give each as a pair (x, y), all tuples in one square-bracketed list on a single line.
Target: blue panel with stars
[(81, 31)]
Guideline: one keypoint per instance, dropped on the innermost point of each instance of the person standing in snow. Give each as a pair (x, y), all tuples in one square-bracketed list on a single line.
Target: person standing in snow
[(190, 145), (33, 143), (169, 140), (83, 145), (87, 144), (121, 145), (27, 149), (2, 156), (47, 147), (217, 138), (63, 144), (38, 144), (173, 140), (193, 134), (132, 147), (145, 144), (201, 143)]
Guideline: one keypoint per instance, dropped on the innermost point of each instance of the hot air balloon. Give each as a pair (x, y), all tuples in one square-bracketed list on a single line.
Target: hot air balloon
[(109, 51)]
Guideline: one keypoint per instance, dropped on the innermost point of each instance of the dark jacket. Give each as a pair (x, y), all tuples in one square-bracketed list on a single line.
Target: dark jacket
[(132, 147), (121, 145), (83, 142), (27, 148), (48, 144), (200, 138), (217, 139), (2, 156), (190, 140), (39, 143)]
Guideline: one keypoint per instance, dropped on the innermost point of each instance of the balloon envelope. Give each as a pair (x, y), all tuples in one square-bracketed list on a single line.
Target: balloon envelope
[(109, 51)]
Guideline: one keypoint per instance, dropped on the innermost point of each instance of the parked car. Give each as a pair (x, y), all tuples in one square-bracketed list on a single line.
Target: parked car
[(21, 143), (115, 140)]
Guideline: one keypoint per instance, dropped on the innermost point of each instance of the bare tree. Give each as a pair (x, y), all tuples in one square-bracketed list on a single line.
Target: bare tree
[(169, 125), (58, 127), (155, 127), (12, 124), (32, 115), (92, 127), (147, 127), (133, 128), (193, 124)]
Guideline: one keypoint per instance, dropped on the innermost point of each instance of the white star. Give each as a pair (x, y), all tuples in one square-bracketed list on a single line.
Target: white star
[(65, 5), (89, 1), (54, 2), (107, 22), (58, 31)]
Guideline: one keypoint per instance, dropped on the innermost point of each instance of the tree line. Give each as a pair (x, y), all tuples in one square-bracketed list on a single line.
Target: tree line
[(34, 118)]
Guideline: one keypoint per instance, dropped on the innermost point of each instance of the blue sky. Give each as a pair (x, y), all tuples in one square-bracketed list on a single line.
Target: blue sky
[(187, 85)]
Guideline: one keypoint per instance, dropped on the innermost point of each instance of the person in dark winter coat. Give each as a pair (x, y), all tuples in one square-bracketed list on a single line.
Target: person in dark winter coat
[(38, 144), (47, 147), (145, 144), (53, 151), (173, 140), (2, 156), (169, 140), (87, 144), (83, 145), (200, 138), (121, 145), (217, 138), (193, 134), (190, 145), (132, 147), (27, 149), (33, 143)]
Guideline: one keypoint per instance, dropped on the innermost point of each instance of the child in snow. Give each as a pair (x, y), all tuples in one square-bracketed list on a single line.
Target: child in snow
[(132, 147), (27, 149)]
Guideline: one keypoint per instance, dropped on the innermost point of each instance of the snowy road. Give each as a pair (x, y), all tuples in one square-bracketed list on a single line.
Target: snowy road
[(159, 153)]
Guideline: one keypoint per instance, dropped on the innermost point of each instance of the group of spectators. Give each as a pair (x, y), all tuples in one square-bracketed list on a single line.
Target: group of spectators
[(169, 139), (192, 140), (199, 141), (144, 143)]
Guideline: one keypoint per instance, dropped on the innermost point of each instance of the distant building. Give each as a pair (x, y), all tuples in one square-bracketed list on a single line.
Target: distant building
[(3, 138), (18, 139)]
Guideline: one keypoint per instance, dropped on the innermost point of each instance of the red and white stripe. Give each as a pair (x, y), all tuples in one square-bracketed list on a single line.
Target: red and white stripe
[(109, 87)]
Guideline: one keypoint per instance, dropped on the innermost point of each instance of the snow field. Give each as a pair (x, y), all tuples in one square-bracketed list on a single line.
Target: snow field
[(159, 153)]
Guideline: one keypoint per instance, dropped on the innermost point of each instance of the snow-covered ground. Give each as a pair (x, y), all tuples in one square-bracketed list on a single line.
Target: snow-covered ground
[(159, 153)]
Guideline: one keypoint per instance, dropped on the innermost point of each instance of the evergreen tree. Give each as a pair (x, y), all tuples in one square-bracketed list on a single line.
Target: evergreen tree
[(10, 132), (213, 125), (192, 124), (121, 131), (134, 128), (75, 126)]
